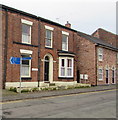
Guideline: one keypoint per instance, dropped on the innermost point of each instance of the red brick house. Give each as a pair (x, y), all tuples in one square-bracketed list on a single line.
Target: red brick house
[(97, 60), (49, 44), (60, 55)]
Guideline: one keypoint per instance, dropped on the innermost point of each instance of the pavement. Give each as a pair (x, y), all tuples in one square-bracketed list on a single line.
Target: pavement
[(34, 95)]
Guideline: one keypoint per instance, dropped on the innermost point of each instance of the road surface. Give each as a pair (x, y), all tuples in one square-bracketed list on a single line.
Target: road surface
[(84, 105)]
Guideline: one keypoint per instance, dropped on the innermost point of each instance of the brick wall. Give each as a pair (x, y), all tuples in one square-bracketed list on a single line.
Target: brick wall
[(1, 49), (15, 44), (109, 61), (57, 45), (4, 42), (106, 36), (88, 63), (87, 60)]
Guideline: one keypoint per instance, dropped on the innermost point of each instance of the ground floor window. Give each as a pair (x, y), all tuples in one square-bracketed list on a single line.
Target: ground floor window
[(26, 67), (66, 67), (100, 74)]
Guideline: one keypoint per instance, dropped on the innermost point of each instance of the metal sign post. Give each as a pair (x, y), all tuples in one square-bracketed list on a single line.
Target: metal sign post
[(17, 60), (20, 73)]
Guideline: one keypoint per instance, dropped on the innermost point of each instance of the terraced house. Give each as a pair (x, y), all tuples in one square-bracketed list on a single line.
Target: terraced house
[(97, 58), (50, 45), (60, 55)]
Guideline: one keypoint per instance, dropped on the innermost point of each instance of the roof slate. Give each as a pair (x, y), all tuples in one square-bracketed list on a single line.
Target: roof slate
[(97, 41)]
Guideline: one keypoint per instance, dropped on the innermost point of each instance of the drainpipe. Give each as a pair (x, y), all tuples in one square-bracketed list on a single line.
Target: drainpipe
[(96, 62), (5, 47), (39, 53)]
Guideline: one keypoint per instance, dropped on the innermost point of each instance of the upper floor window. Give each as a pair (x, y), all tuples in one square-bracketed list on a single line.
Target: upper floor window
[(26, 31), (65, 41), (100, 54), (48, 36)]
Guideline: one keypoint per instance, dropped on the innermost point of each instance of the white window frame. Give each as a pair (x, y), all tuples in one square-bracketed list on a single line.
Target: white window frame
[(100, 73), (67, 34), (27, 52), (29, 67), (50, 29), (65, 59), (29, 23), (100, 54)]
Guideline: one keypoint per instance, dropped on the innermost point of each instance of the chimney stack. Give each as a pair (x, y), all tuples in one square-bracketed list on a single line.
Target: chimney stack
[(68, 25)]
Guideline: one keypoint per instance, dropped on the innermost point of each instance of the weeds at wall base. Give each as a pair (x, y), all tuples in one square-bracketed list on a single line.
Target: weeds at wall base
[(38, 89)]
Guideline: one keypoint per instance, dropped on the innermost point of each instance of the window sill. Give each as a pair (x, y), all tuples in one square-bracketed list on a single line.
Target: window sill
[(26, 43), (14, 42), (65, 50), (100, 60), (100, 80), (65, 77), (48, 47)]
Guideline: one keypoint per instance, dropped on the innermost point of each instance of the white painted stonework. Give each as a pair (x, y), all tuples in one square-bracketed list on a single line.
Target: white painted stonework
[(64, 83), (26, 22), (23, 84), (34, 69), (65, 33), (35, 84), (26, 51), (49, 28)]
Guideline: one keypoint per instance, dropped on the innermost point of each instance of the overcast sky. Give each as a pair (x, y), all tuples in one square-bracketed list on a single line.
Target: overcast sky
[(84, 15)]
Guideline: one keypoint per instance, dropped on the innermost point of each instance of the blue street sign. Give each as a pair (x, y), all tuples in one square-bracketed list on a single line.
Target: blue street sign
[(26, 58), (16, 60)]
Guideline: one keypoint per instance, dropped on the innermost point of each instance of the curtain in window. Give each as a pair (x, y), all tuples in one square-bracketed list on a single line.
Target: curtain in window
[(66, 67), (25, 67), (26, 33), (48, 38), (64, 42)]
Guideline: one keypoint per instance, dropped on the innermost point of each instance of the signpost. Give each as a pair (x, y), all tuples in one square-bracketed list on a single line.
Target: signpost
[(18, 61), (15, 60)]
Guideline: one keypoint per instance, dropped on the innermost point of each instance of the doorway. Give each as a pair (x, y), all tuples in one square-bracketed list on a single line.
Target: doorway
[(78, 76), (48, 68), (113, 76), (107, 76)]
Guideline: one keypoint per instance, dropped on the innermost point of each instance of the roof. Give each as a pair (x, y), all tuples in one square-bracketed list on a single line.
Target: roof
[(91, 38), (97, 41), (34, 16), (99, 29)]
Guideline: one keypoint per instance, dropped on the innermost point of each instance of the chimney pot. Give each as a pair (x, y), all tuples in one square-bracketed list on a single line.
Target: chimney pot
[(68, 25)]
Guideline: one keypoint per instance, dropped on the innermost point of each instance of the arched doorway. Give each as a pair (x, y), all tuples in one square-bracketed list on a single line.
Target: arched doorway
[(48, 68)]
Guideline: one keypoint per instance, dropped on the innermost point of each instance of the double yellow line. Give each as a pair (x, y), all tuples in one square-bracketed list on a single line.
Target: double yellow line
[(16, 101)]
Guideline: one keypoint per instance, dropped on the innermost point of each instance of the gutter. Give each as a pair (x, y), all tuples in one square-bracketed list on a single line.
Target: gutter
[(107, 47)]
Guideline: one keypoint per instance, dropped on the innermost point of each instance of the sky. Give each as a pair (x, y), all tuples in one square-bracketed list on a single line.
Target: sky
[(84, 15)]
